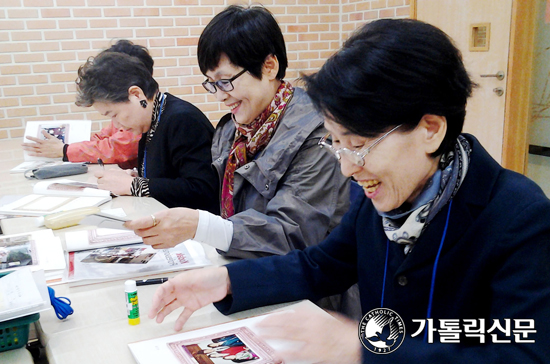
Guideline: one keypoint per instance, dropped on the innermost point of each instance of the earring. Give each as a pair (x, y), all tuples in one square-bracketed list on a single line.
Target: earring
[(143, 103)]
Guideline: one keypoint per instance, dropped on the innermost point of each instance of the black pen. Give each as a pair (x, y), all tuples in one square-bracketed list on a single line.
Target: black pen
[(146, 282), (100, 162)]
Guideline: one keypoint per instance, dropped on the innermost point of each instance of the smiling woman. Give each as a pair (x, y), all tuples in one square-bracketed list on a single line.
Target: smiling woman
[(444, 236), (174, 150), (278, 193)]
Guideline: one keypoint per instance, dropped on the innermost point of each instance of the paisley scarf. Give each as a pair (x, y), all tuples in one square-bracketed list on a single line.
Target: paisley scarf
[(251, 139), (405, 227)]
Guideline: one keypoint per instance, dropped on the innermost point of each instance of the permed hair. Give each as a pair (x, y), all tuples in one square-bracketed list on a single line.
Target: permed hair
[(108, 76)]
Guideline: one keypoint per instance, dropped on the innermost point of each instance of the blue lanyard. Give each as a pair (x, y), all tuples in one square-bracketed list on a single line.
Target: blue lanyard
[(145, 151)]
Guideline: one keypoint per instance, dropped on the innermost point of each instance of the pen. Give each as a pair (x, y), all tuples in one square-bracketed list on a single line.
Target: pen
[(146, 282), (100, 162)]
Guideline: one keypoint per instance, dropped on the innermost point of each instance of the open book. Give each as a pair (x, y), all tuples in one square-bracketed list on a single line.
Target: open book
[(54, 196), (236, 341), (68, 131)]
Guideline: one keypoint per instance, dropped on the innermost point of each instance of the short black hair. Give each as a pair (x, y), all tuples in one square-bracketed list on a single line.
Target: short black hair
[(391, 72), (247, 36), (107, 78)]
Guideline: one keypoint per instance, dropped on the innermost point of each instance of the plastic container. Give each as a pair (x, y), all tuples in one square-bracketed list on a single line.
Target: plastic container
[(14, 334)]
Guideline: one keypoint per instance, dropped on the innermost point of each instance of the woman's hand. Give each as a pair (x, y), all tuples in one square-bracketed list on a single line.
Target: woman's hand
[(191, 290), (51, 147), (117, 181), (168, 228), (320, 338)]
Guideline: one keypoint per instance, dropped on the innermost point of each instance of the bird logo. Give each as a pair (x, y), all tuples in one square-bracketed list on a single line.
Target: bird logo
[(381, 331)]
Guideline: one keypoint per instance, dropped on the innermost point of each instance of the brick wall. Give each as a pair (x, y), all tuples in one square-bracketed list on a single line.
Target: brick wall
[(43, 42)]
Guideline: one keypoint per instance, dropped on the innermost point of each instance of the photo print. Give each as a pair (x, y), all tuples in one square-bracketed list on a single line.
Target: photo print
[(238, 345), (119, 255)]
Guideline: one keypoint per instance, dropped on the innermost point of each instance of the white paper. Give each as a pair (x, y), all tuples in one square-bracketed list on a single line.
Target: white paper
[(107, 219), (22, 293), (73, 131), (68, 187), (20, 168), (38, 205), (99, 238), (158, 351)]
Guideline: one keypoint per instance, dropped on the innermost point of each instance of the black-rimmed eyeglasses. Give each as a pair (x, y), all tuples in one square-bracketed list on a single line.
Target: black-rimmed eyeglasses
[(224, 85), (353, 156)]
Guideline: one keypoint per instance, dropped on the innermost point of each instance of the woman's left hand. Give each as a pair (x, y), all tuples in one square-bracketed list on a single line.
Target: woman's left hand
[(49, 147), (320, 338), (117, 181)]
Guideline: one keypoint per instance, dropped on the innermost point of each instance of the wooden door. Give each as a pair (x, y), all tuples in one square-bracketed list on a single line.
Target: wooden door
[(461, 19)]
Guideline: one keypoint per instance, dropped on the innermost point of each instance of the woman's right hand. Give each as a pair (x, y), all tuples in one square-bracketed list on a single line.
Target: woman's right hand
[(191, 290), (167, 229)]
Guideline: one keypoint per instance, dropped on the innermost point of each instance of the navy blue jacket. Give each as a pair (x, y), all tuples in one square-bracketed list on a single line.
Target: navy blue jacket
[(494, 264)]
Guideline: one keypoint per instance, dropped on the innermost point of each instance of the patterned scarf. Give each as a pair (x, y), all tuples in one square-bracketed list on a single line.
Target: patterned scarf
[(251, 139), (405, 227), (154, 122)]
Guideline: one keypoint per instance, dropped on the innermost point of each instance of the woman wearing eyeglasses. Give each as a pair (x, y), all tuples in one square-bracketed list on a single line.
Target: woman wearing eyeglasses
[(278, 193), (456, 246), (174, 151)]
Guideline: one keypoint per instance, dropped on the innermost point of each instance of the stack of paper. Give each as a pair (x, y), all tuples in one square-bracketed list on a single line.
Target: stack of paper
[(22, 292)]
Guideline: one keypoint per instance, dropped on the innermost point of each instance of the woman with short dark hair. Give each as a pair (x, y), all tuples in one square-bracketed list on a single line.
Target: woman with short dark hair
[(277, 192), (450, 250), (174, 151)]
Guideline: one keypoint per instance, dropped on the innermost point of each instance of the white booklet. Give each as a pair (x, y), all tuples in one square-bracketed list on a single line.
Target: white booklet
[(129, 261), (22, 293), (236, 341), (57, 195), (68, 131), (39, 249), (99, 238), (68, 187)]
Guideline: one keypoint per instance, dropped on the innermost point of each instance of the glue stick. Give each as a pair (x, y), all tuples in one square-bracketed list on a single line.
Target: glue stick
[(132, 307)]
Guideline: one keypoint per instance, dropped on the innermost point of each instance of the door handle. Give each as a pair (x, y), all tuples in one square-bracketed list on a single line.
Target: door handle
[(499, 91), (499, 75)]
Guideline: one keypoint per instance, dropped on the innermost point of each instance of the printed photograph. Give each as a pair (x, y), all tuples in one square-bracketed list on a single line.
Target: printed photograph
[(61, 132), (239, 345), (71, 186), (119, 255), (17, 251)]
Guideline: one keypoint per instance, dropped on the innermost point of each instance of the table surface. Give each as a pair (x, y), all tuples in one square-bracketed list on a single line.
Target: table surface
[(98, 331)]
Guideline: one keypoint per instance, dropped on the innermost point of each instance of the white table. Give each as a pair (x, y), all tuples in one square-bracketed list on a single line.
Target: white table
[(98, 331), (16, 356)]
